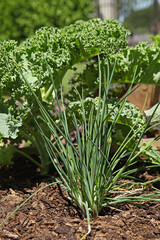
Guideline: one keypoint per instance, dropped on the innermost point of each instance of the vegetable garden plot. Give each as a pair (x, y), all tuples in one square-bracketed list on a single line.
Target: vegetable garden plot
[(94, 177)]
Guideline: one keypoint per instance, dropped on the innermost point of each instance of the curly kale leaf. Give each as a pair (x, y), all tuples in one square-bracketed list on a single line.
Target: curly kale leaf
[(61, 49), (9, 126), (143, 58), (129, 117), (6, 154), (156, 116)]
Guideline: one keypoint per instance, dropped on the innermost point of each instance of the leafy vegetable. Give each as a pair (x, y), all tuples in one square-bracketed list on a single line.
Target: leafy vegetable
[(9, 125), (6, 154), (129, 116), (145, 56), (61, 48), (64, 50)]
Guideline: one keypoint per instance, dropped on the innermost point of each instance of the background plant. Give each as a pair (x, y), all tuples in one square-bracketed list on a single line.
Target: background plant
[(20, 19)]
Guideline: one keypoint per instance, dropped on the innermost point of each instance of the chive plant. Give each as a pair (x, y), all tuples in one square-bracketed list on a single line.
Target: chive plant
[(88, 170)]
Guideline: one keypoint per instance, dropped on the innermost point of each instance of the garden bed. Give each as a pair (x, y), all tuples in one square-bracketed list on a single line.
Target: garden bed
[(49, 215), (92, 139)]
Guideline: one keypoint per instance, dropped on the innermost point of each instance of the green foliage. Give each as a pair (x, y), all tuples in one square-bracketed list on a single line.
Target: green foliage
[(156, 116), (9, 125), (30, 79), (130, 119), (65, 50), (156, 39), (19, 19), (6, 154), (145, 57), (61, 49)]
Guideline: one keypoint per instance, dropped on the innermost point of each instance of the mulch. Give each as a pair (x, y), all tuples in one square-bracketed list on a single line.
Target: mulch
[(49, 215)]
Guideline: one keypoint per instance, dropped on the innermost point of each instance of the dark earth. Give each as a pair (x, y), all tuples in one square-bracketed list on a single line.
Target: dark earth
[(49, 215)]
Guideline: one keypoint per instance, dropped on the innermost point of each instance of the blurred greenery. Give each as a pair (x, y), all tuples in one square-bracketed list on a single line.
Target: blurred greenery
[(140, 20), (20, 19), (126, 6)]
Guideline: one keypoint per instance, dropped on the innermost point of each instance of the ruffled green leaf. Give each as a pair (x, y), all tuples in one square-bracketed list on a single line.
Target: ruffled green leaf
[(6, 155), (9, 126), (156, 116)]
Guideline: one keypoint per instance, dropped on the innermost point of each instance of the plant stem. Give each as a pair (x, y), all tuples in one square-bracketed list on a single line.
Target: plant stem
[(28, 157)]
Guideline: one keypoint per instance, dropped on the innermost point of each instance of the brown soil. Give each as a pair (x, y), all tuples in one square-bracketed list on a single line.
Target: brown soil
[(49, 215)]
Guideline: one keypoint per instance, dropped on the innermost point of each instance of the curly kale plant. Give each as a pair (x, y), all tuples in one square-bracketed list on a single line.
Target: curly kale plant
[(62, 50)]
